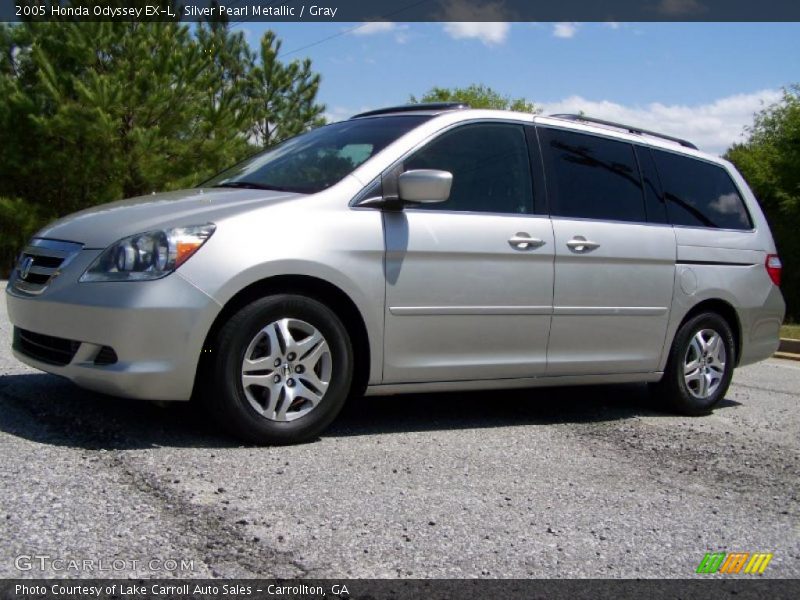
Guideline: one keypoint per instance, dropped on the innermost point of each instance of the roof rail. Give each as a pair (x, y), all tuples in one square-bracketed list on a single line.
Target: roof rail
[(628, 128), (413, 107)]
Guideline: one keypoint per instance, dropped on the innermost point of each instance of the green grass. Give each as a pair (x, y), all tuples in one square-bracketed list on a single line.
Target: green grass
[(791, 331)]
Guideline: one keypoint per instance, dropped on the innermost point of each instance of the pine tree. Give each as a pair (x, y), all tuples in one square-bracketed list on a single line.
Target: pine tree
[(283, 96), (94, 112)]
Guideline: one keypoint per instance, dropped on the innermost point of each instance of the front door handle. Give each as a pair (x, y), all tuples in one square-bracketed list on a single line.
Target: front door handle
[(523, 241), (581, 244)]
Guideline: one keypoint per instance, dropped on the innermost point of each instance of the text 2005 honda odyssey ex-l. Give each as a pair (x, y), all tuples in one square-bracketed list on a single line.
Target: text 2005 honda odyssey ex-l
[(422, 248)]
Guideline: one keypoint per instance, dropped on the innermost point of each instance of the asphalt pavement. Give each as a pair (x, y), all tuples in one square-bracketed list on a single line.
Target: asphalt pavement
[(571, 482)]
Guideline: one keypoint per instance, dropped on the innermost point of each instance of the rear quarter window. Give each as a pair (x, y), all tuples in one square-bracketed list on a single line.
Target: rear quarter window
[(700, 194)]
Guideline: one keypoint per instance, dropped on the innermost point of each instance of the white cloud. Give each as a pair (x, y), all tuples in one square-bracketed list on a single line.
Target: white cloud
[(713, 126), (611, 24), (374, 27), (465, 19), (400, 30), (490, 33), (565, 30), (342, 113)]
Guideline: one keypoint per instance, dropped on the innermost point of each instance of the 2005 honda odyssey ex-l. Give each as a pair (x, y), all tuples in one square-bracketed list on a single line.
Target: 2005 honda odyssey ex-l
[(421, 248)]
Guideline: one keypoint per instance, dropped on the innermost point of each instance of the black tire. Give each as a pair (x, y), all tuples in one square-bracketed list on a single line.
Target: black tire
[(225, 396), (673, 390)]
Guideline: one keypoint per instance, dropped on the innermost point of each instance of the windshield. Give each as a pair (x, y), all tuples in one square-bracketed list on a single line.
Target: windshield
[(316, 160)]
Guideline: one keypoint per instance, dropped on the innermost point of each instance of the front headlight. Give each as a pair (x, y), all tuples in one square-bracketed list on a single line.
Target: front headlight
[(149, 255)]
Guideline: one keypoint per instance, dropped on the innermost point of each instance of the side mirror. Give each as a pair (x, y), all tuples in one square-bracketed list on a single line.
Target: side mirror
[(424, 186)]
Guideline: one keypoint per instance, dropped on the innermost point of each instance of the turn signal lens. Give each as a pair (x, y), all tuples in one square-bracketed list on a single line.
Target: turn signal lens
[(185, 248), (774, 267)]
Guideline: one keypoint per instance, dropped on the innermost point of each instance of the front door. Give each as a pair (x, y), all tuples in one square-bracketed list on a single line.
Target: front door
[(469, 282)]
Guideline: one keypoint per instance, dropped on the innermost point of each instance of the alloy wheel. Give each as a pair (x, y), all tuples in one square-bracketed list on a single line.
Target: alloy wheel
[(704, 363), (286, 370)]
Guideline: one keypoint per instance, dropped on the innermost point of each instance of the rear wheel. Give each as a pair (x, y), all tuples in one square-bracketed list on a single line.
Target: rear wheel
[(700, 365), (282, 370)]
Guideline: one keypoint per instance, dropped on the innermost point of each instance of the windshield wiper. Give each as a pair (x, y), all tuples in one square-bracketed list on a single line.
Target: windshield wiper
[(251, 185)]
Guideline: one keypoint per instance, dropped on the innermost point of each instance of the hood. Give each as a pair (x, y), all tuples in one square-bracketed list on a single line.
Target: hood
[(100, 226)]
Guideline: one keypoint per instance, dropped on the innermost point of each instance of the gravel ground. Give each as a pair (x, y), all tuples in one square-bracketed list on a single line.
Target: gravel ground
[(573, 482)]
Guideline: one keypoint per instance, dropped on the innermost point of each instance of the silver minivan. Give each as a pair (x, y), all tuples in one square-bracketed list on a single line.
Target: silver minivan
[(411, 249)]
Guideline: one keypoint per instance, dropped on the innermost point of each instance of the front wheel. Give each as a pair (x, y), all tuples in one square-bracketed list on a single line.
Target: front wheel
[(700, 365), (282, 370)]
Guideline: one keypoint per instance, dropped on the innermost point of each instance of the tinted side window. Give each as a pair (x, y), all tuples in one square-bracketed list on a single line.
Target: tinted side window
[(653, 198), (490, 167), (700, 194), (592, 177)]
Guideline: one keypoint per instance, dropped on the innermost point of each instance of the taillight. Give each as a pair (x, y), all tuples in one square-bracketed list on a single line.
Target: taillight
[(774, 266)]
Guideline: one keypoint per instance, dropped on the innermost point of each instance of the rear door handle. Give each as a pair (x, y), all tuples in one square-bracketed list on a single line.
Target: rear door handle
[(581, 244), (523, 241)]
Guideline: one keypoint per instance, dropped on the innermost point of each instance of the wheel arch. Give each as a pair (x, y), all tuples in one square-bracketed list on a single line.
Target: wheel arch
[(305, 285), (725, 310)]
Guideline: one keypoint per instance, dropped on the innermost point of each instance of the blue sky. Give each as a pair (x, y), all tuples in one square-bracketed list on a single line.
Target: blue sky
[(699, 80)]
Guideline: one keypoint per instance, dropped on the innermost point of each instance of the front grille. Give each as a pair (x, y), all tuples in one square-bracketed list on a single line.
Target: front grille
[(45, 348), (41, 261)]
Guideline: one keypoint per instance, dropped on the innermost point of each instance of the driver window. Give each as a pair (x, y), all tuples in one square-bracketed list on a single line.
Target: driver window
[(490, 167)]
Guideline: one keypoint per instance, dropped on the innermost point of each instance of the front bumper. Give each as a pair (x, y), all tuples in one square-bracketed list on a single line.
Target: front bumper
[(156, 328)]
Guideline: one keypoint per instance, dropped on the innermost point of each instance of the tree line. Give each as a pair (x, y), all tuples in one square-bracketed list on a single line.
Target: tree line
[(94, 112), (770, 162)]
